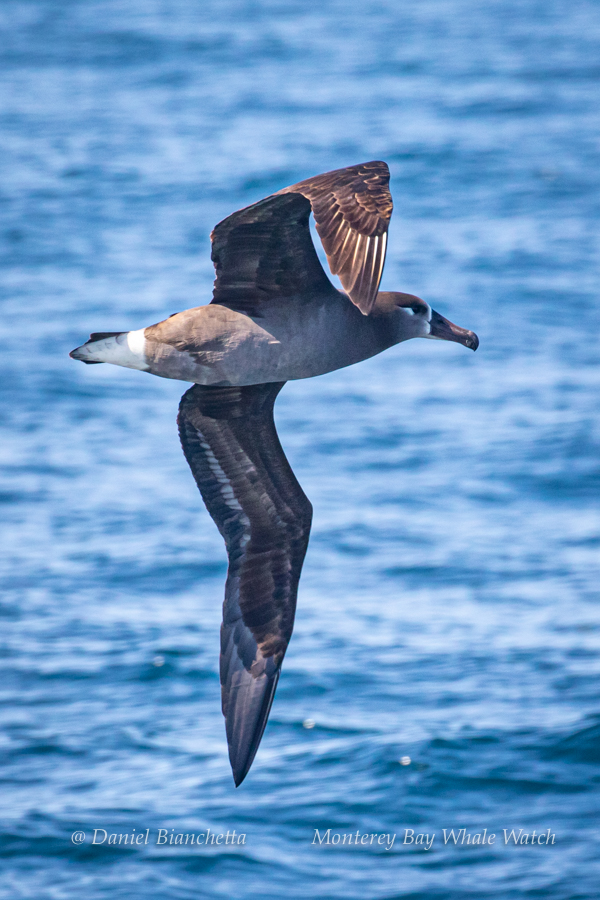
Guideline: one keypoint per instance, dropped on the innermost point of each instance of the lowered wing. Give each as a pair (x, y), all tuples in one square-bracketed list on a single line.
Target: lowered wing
[(229, 439)]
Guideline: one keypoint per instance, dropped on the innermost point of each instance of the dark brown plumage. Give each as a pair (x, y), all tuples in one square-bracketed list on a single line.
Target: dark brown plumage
[(229, 440), (265, 252), (352, 209), (274, 316)]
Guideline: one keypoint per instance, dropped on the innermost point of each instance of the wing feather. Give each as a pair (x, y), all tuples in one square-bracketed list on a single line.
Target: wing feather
[(265, 252), (229, 439), (361, 195)]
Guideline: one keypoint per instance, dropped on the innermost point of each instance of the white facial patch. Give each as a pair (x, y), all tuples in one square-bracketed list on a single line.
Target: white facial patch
[(413, 324)]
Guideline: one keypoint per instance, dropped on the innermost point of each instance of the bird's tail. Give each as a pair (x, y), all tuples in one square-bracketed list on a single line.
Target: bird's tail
[(121, 348), (93, 350)]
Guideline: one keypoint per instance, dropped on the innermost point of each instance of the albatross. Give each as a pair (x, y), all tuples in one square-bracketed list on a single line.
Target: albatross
[(274, 317)]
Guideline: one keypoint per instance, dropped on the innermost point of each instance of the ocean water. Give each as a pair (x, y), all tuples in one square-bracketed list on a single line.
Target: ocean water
[(449, 607)]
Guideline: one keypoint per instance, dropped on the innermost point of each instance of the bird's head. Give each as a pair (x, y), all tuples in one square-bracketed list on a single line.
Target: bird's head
[(418, 319)]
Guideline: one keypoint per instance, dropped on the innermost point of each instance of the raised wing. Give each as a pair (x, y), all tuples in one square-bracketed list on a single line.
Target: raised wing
[(229, 439), (265, 251), (352, 209)]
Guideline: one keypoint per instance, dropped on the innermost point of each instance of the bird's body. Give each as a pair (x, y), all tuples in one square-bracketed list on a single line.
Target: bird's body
[(274, 317), (215, 345)]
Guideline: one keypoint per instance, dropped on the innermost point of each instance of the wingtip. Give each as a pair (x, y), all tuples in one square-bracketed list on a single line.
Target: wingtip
[(244, 747), (241, 767), (238, 777)]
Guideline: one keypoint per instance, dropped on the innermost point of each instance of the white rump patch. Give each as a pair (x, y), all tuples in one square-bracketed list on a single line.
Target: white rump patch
[(137, 343)]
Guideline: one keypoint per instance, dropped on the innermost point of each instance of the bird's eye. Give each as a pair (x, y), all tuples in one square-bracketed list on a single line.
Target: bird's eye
[(418, 310)]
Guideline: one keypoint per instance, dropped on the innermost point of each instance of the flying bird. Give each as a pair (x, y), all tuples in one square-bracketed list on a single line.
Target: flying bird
[(274, 316)]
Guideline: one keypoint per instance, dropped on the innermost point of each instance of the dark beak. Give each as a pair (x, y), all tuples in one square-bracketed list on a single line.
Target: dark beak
[(445, 330)]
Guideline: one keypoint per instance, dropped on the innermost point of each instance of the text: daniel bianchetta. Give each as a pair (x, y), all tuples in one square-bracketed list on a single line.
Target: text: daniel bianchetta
[(453, 836), (164, 836)]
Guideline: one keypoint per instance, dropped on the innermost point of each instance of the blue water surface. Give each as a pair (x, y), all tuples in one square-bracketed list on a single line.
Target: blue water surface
[(448, 611)]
